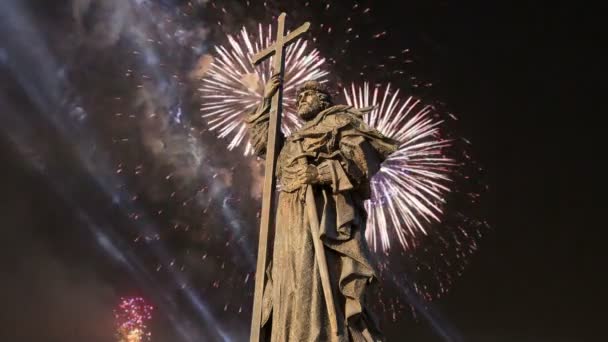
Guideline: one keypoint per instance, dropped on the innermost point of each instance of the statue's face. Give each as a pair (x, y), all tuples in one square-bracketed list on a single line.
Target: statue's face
[(309, 104)]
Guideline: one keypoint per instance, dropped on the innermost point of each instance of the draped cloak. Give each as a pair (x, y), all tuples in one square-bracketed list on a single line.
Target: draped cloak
[(347, 153)]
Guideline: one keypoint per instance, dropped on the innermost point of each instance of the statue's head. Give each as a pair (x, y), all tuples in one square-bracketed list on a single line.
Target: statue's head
[(312, 98)]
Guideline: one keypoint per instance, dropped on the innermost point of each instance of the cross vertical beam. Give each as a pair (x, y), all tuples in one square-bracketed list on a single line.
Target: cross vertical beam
[(272, 148)]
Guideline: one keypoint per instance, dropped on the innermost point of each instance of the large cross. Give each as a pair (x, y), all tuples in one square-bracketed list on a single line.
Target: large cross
[(272, 148)]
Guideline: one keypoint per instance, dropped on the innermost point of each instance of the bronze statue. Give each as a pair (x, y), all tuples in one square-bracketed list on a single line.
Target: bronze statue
[(334, 154), (317, 284)]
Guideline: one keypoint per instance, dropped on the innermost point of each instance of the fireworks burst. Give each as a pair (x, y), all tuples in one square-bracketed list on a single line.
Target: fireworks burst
[(408, 192), (131, 317), (232, 86)]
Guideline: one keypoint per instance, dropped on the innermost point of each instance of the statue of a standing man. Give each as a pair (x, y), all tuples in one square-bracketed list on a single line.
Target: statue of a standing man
[(336, 153)]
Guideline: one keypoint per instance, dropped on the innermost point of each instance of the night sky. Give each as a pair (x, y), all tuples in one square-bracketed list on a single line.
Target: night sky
[(518, 75)]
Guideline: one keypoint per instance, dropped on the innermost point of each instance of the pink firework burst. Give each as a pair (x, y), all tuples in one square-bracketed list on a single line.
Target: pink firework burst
[(131, 317)]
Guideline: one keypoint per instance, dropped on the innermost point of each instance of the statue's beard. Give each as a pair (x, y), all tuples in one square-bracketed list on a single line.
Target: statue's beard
[(308, 111)]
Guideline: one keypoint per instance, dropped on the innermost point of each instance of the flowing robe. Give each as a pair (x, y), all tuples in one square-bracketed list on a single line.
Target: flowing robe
[(347, 153)]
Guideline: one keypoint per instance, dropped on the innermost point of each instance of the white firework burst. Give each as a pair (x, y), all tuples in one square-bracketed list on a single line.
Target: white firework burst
[(232, 87), (408, 193)]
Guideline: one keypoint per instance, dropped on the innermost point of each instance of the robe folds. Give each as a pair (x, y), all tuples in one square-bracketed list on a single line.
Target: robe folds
[(346, 153)]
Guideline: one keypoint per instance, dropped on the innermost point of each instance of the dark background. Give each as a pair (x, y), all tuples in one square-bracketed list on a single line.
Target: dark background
[(524, 74), (520, 75)]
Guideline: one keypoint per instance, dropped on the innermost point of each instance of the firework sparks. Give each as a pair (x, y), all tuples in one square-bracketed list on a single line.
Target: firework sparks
[(131, 317), (408, 192), (232, 87), (409, 195)]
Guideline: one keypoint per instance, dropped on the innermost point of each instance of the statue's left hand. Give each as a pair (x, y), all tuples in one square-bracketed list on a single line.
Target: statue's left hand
[(308, 175)]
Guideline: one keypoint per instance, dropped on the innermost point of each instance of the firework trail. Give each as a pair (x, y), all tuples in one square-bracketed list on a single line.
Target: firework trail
[(131, 317), (232, 86), (408, 193)]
